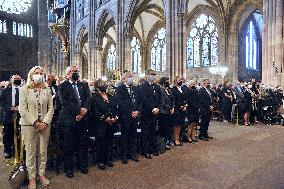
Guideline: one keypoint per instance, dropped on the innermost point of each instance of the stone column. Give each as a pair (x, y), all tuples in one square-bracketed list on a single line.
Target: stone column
[(72, 43), (181, 35), (98, 65), (272, 73), (91, 39), (43, 37), (127, 53), (120, 43)]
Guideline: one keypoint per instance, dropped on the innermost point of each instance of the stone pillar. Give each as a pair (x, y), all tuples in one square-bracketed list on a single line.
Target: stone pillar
[(127, 53), (181, 35), (120, 43), (98, 64), (91, 40), (72, 45), (273, 42), (43, 37)]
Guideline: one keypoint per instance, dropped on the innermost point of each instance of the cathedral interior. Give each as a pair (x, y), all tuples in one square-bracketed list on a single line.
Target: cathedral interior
[(219, 40), (183, 38)]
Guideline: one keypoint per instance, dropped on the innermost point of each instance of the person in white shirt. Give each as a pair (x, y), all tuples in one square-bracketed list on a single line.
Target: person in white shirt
[(9, 100)]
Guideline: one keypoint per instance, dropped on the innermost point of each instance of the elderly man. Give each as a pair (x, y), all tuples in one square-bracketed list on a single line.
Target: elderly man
[(150, 97), (128, 108), (9, 100), (205, 108), (75, 99)]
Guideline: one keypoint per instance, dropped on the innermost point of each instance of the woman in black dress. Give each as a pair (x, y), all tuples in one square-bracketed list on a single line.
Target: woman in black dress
[(192, 111), (104, 116), (180, 106), (227, 101), (167, 109), (247, 104)]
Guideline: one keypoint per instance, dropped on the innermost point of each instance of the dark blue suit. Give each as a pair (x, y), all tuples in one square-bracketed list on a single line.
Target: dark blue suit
[(127, 102), (8, 120), (74, 133), (150, 97)]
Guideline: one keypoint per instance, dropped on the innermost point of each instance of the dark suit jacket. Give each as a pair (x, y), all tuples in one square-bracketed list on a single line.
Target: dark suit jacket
[(180, 99), (124, 101), (69, 102), (150, 97), (6, 103), (204, 101)]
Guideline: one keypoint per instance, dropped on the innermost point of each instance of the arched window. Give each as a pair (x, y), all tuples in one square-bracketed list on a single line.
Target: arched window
[(82, 8), (3, 26), (111, 58), (252, 55), (15, 6), (136, 55), (158, 51), (202, 43)]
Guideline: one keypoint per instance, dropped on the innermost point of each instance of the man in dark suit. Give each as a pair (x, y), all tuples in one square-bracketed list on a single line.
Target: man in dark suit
[(51, 81), (205, 108), (128, 109), (151, 100), (75, 99), (10, 101)]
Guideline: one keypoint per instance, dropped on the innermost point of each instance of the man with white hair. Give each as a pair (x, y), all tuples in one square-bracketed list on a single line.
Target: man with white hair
[(9, 100), (128, 110), (75, 99)]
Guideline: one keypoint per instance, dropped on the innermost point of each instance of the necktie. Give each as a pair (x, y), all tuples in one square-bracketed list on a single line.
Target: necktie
[(17, 97), (75, 87), (131, 94)]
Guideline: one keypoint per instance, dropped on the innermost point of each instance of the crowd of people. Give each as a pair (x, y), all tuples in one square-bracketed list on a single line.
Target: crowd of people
[(82, 109)]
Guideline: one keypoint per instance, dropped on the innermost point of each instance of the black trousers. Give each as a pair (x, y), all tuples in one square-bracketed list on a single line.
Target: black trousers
[(204, 123), (8, 137), (149, 131), (165, 126), (75, 142), (128, 137), (227, 110), (104, 141)]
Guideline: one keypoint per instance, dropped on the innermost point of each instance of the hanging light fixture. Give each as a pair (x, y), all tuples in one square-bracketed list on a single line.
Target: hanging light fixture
[(59, 20)]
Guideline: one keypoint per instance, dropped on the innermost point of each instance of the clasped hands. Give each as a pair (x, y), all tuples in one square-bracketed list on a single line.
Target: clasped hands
[(111, 120), (83, 112), (135, 114), (156, 111), (15, 108), (40, 126)]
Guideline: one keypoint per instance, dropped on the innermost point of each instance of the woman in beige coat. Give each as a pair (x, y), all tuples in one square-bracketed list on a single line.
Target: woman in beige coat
[(36, 109)]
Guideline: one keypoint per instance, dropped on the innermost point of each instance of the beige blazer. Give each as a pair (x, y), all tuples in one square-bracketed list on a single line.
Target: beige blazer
[(28, 106)]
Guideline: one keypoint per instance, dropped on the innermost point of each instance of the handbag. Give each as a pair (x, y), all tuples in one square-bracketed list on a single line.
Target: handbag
[(18, 176)]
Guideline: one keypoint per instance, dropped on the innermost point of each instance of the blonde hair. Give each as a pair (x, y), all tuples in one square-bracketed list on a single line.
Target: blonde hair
[(30, 83)]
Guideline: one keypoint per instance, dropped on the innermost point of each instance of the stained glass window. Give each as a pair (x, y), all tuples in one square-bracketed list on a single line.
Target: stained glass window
[(15, 6), (158, 51), (111, 58), (136, 55), (3, 26), (24, 30), (202, 42), (82, 8), (252, 43)]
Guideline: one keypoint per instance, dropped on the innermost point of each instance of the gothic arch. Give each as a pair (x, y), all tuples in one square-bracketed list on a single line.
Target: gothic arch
[(233, 21), (82, 34), (106, 20), (110, 41), (150, 38), (134, 11)]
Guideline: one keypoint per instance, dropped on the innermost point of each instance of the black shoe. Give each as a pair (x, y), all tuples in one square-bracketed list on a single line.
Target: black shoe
[(209, 137), (84, 171), (167, 147), (69, 174), (124, 161), (109, 163), (190, 141), (134, 158), (101, 166), (156, 154), (194, 140), (7, 155), (203, 138), (148, 156)]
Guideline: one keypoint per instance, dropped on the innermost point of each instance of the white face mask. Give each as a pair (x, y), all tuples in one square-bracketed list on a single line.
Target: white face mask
[(38, 78)]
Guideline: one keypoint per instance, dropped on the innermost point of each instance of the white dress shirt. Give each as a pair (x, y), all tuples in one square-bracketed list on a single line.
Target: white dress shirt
[(14, 94)]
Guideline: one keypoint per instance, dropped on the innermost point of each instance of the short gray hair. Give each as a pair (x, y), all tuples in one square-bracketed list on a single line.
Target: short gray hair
[(68, 69)]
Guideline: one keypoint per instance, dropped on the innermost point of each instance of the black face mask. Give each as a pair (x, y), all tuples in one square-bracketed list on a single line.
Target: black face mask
[(167, 84), (17, 82), (75, 76), (179, 83), (53, 83), (102, 88), (193, 87)]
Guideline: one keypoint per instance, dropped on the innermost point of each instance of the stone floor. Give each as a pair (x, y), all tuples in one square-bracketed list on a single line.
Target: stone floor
[(237, 157)]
